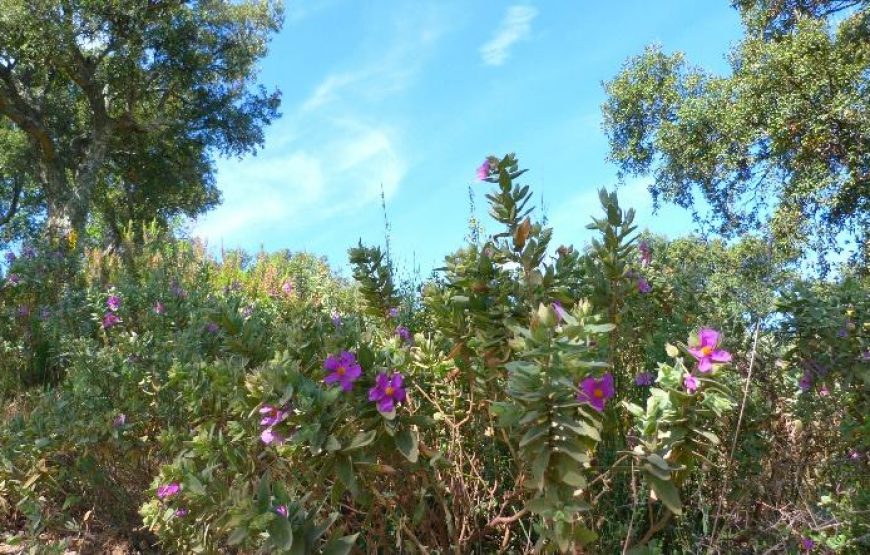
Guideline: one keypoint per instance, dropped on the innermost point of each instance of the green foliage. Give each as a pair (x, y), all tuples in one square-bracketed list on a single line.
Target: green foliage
[(496, 444), (116, 109), (780, 143)]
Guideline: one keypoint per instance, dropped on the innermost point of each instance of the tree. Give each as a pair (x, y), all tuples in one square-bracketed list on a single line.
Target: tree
[(781, 144), (122, 104)]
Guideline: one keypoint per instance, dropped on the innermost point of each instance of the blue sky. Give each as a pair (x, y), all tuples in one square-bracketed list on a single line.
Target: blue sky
[(413, 95)]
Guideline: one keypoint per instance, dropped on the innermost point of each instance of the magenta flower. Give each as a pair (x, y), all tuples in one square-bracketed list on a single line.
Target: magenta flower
[(387, 391), (560, 312), (287, 287), (484, 170), (343, 369), (181, 512), (110, 319), (823, 392), (807, 544), (596, 391), (645, 254), (282, 510), (119, 420), (13, 279), (168, 490), (113, 303), (644, 379), (707, 352), (10, 257), (159, 308), (272, 415), (269, 436), (643, 285), (404, 334), (690, 382)]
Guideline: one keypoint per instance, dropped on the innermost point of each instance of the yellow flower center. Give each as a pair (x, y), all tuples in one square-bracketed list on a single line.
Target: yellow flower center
[(706, 351), (389, 390), (341, 370), (598, 393)]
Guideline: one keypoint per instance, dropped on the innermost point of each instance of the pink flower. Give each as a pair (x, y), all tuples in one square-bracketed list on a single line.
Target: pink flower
[(387, 391), (343, 369), (560, 312), (707, 352), (159, 308), (484, 170), (110, 319), (181, 512), (287, 287), (643, 285), (645, 254), (113, 303), (596, 391), (690, 382), (119, 420), (269, 436), (807, 544), (272, 415), (168, 490), (282, 510)]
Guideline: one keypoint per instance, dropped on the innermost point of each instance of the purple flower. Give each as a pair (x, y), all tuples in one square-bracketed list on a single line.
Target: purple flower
[(212, 328), (248, 311), (644, 379), (865, 356), (23, 311), (387, 391), (13, 279), (180, 512), (690, 382), (393, 312), (643, 285), (806, 381), (119, 420), (807, 544), (855, 455), (168, 490), (113, 303), (10, 257), (158, 308), (404, 334), (29, 252), (178, 290), (484, 170), (596, 391), (707, 352), (343, 369), (45, 314), (560, 312), (281, 510), (287, 287), (272, 415), (645, 254), (110, 319), (269, 436), (336, 319)]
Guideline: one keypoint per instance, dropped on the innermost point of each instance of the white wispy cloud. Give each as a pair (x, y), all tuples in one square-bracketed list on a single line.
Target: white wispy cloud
[(516, 26), (333, 153)]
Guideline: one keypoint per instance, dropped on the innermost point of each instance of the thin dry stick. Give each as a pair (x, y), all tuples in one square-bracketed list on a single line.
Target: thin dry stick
[(736, 434)]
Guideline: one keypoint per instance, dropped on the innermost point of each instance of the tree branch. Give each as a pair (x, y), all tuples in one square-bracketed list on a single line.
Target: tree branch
[(13, 206)]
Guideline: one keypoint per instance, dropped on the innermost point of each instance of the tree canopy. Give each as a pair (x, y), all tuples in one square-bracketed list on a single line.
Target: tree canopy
[(116, 108), (781, 144)]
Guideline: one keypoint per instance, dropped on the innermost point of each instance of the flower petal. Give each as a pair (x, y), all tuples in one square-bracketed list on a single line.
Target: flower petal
[(720, 356), (708, 337), (705, 365)]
